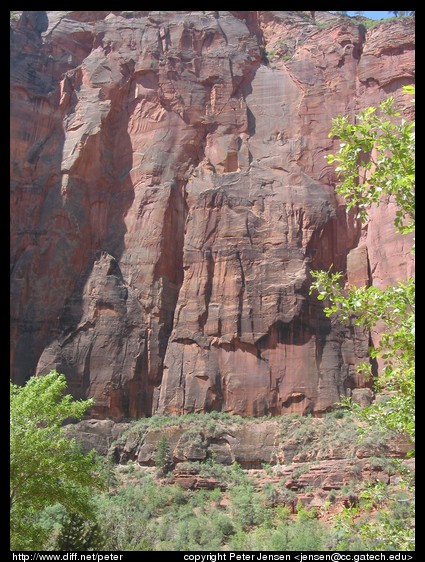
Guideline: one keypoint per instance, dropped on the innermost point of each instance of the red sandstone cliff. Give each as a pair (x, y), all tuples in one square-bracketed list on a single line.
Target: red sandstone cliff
[(169, 196)]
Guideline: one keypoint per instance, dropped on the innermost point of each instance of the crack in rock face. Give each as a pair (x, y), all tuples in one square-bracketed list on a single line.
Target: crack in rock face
[(170, 196)]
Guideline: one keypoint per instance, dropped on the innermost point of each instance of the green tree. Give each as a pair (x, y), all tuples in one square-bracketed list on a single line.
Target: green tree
[(79, 534), (162, 456), (376, 160), (46, 467)]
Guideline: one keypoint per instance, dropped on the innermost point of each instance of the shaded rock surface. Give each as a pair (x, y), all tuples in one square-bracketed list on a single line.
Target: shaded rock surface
[(169, 196)]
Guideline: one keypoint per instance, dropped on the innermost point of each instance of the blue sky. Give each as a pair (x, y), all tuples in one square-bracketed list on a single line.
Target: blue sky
[(373, 15)]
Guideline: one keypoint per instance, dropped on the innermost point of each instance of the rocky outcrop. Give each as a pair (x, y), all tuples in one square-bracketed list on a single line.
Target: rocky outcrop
[(300, 454), (251, 443), (96, 434), (190, 480), (170, 196)]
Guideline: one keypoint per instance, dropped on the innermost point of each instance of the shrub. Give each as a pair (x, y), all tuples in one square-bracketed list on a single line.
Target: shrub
[(307, 535), (162, 456), (246, 506), (299, 470), (79, 533)]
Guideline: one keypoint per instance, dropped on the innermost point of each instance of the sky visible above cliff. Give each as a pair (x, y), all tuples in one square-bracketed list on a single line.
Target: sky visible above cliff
[(374, 15)]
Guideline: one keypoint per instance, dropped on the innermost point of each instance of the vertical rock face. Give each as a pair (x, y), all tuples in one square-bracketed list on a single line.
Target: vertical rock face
[(170, 195)]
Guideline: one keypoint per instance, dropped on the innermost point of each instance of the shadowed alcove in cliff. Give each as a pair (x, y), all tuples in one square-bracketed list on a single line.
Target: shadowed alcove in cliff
[(92, 321), (41, 233)]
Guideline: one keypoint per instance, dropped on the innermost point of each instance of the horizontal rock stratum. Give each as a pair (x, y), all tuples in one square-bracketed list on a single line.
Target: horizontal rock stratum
[(170, 195)]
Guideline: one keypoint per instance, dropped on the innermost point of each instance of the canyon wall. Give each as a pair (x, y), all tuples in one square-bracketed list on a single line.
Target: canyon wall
[(170, 195)]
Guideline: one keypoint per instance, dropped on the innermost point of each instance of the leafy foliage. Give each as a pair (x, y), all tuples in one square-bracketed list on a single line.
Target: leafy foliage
[(77, 533), (376, 158), (162, 457), (383, 522), (142, 511), (394, 308), (376, 161), (46, 467)]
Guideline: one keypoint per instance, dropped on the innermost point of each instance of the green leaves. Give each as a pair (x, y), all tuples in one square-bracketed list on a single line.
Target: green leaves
[(376, 158), (394, 309), (45, 466), (376, 162)]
